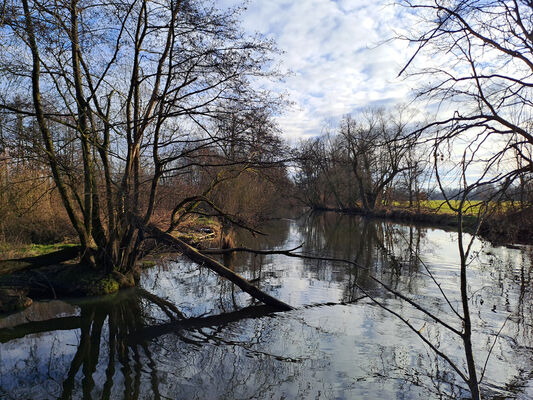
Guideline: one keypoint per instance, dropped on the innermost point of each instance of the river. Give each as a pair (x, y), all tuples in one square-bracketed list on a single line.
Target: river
[(338, 343)]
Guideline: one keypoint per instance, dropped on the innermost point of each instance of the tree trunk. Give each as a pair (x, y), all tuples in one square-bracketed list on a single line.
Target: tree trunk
[(18, 264), (217, 267)]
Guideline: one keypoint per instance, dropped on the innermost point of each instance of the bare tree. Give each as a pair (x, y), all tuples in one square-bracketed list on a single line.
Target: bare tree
[(355, 167), (415, 175), (376, 144), (124, 96), (323, 179), (476, 58)]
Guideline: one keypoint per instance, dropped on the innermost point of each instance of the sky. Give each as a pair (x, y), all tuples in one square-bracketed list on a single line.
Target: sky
[(335, 53)]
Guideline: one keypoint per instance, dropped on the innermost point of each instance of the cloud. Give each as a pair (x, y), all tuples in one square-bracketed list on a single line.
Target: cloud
[(336, 53)]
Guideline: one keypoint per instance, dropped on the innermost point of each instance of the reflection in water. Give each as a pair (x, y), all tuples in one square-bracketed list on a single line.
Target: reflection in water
[(217, 344), (102, 330)]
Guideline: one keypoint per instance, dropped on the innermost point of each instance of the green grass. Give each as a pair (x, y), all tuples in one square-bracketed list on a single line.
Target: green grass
[(442, 207), (9, 250), (42, 249), (206, 220)]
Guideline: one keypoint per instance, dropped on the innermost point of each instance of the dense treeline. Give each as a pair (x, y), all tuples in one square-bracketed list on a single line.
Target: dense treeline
[(137, 113), (381, 159), (371, 159), (242, 178)]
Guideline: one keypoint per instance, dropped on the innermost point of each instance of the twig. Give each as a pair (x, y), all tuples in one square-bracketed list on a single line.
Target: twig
[(491, 348)]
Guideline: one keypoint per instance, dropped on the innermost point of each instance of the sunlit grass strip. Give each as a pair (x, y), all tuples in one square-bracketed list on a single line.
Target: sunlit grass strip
[(472, 207), (8, 250)]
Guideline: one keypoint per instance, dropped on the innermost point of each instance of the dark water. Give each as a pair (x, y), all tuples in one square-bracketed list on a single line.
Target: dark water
[(124, 347)]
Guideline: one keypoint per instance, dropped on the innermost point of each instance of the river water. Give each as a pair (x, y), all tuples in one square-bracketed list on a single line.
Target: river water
[(336, 344)]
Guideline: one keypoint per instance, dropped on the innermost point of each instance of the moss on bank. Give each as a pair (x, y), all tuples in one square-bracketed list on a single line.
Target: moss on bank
[(106, 285), (60, 280), (40, 271)]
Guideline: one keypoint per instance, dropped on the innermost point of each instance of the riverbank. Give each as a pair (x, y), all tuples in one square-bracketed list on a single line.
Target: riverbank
[(40, 271), (88, 279), (508, 227), (193, 231)]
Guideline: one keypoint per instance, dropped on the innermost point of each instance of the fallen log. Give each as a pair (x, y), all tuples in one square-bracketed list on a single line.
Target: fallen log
[(194, 255), (152, 332), (18, 264), (33, 327)]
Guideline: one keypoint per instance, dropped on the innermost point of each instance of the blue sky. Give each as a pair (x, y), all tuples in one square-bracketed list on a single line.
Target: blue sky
[(335, 53)]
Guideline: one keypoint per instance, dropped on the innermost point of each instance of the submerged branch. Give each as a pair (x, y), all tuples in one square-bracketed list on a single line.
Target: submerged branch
[(194, 255), (34, 327), (290, 253), (152, 332)]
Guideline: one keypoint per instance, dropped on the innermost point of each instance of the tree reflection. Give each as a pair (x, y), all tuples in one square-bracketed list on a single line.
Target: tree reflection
[(139, 346), (104, 328), (389, 258), (115, 355), (380, 249)]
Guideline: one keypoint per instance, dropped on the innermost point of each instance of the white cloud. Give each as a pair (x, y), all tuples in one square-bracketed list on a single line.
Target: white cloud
[(332, 49)]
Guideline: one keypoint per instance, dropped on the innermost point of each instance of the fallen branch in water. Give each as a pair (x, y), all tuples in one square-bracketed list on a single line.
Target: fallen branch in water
[(35, 327), (289, 253), (418, 332), (19, 264), (194, 255), (178, 320), (152, 332)]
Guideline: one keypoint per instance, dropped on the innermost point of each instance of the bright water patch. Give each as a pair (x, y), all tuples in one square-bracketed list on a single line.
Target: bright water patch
[(123, 346)]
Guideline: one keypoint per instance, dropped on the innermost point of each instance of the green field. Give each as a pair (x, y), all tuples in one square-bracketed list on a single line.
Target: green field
[(469, 207)]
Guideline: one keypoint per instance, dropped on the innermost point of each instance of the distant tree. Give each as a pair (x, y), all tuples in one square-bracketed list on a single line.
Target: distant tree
[(324, 179), (377, 144), (358, 164), (523, 187), (415, 175)]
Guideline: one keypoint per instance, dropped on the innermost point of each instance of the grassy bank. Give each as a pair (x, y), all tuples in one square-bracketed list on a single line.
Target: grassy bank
[(193, 231), (504, 222), (24, 250), (29, 270), (442, 207)]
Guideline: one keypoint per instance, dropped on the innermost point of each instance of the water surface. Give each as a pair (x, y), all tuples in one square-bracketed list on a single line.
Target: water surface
[(337, 344)]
